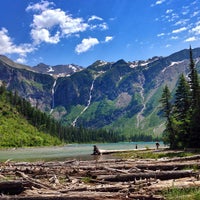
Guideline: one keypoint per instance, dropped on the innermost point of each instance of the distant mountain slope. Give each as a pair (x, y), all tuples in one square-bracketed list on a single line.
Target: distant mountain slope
[(6, 61), (120, 95)]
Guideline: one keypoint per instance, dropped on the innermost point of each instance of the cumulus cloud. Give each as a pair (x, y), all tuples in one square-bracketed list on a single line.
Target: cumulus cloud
[(8, 47), (51, 24), (194, 14), (196, 30), (160, 34), (158, 2), (108, 38), (168, 45), (169, 11), (181, 22), (55, 19), (174, 37), (21, 60), (43, 5), (179, 30), (86, 44), (103, 26), (94, 17), (190, 39), (43, 35)]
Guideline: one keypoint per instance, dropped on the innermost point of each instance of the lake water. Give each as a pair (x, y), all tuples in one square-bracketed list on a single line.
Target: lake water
[(68, 152)]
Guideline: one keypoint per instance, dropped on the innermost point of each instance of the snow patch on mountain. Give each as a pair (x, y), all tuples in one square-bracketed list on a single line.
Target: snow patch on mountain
[(171, 65), (50, 69)]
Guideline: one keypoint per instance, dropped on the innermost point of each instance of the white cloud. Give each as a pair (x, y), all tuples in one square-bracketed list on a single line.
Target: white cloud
[(194, 14), (21, 60), (108, 38), (73, 25), (168, 45), (94, 17), (159, 2), (185, 12), (196, 30), (169, 11), (43, 35), (181, 22), (160, 35), (179, 30), (50, 25), (43, 5), (103, 26), (7, 46), (174, 37), (55, 19), (86, 44), (191, 39)]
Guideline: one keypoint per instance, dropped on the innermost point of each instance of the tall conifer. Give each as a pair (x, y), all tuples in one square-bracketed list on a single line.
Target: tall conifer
[(169, 133), (181, 112), (194, 135)]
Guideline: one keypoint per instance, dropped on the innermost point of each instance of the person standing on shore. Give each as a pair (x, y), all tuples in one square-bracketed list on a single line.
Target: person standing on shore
[(157, 145)]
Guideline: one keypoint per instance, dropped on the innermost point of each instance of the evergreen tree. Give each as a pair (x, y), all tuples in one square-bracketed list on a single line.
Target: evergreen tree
[(193, 82), (2, 88), (181, 111), (183, 118), (166, 108), (194, 137)]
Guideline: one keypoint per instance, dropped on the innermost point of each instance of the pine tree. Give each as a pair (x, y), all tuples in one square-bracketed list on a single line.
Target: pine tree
[(194, 137), (2, 88), (182, 99), (181, 112), (193, 82), (166, 108)]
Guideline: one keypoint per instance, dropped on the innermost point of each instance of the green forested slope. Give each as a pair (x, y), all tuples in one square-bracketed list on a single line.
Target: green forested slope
[(24, 125), (16, 131)]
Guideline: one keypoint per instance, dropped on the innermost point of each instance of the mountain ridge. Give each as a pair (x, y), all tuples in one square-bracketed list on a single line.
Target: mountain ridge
[(120, 95)]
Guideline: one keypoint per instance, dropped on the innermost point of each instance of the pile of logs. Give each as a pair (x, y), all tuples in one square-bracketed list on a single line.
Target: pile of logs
[(97, 179)]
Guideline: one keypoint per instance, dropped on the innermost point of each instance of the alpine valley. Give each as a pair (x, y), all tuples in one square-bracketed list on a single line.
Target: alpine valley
[(123, 96)]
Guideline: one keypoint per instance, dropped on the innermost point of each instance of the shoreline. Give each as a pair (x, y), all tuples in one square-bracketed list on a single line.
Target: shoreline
[(79, 151)]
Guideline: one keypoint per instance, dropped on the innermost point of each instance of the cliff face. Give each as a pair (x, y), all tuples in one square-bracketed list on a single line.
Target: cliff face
[(121, 95), (33, 86)]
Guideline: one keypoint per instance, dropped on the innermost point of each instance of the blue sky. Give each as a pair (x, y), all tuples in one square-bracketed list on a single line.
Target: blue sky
[(83, 31)]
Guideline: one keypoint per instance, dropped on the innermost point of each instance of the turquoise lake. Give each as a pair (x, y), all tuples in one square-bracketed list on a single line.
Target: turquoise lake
[(68, 152)]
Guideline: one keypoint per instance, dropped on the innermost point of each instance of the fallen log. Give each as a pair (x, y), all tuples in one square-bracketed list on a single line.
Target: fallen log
[(109, 169), (168, 166), (162, 175), (179, 183), (146, 197), (102, 151), (11, 187), (188, 158), (33, 182)]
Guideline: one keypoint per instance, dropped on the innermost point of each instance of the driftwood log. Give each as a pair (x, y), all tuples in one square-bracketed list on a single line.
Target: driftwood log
[(162, 175), (11, 187), (97, 179)]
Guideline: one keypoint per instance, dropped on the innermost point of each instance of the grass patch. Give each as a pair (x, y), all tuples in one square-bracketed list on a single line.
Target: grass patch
[(182, 194), (153, 154), (86, 179)]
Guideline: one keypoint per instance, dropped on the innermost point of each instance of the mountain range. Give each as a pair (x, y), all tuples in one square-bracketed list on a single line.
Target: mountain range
[(120, 95)]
